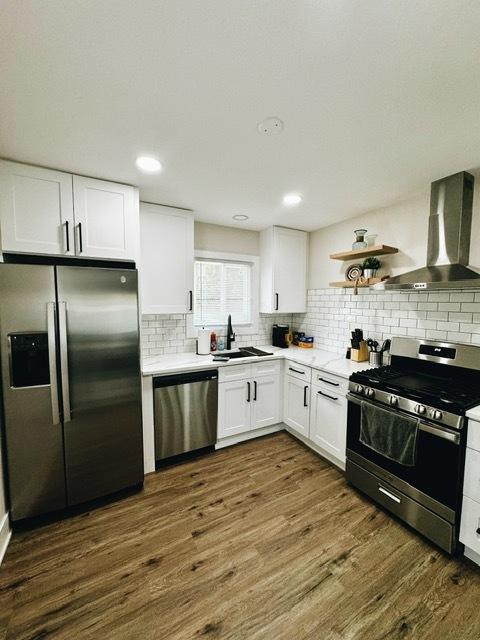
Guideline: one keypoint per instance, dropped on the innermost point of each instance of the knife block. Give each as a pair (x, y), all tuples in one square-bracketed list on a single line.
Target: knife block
[(361, 354)]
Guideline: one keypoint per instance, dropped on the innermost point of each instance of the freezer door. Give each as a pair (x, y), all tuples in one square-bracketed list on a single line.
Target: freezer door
[(101, 385), (33, 431)]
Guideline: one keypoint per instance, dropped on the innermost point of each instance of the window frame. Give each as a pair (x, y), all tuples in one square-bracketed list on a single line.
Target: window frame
[(254, 262)]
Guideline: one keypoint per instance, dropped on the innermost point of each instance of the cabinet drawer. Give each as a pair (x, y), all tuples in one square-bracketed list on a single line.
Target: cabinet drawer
[(471, 485), (266, 368), (470, 524), (473, 439), (330, 381), (299, 371), (236, 372)]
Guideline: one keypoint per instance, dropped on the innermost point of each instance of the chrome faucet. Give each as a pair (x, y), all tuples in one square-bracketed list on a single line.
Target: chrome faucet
[(230, 333)]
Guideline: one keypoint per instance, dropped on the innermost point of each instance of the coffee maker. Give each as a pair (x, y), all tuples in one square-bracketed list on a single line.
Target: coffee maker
[(279, 335)]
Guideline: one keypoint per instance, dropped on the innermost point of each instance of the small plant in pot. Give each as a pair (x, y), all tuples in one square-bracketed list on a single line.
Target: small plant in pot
[(370, 267)]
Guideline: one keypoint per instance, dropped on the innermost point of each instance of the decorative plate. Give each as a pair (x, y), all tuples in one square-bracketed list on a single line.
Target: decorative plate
[(353, 272)]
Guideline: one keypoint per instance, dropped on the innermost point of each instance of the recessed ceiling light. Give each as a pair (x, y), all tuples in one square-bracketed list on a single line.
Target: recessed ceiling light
[(148, 164), (292, 199), (240, 216)]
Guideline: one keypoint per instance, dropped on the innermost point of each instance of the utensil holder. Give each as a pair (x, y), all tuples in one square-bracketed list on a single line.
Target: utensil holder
[(360, 354), (375, 358)]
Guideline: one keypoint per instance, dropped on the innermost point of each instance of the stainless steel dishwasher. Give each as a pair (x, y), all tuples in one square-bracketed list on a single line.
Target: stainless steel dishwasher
[(185, 412)]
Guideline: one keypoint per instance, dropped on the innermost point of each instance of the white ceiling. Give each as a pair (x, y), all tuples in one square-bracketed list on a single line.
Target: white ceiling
[(379, 97)]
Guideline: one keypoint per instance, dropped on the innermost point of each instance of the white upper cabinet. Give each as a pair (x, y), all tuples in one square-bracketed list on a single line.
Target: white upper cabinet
[(104, 219), (283, 280), (49, 212), (166, 259), (36, 210)]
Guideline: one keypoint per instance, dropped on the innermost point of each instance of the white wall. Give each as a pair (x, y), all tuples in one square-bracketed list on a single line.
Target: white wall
[(403, 225), (214, 237)]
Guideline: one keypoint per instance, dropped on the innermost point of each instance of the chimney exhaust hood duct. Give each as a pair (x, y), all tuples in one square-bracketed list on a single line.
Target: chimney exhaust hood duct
[(449, 232)]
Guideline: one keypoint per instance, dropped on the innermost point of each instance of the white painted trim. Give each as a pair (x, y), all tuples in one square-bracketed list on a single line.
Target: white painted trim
[(321, 452), (5, 535), (249, 435), (148, 425), (246, 329), (472, 555)]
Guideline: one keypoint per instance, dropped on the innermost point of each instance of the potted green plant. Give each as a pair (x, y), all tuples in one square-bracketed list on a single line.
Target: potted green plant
[(370, 267)]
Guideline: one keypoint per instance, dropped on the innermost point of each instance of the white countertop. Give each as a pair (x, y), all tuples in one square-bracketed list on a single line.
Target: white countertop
[(316, 358)]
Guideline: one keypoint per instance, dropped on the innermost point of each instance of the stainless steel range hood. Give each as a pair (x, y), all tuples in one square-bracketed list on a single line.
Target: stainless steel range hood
[(449, 232)]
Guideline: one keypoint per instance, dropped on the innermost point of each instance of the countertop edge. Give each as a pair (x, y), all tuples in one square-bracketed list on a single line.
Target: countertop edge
[(333, 364)]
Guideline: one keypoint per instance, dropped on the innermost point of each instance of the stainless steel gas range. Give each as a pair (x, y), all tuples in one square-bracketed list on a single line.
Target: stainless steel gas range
[(406, 433)]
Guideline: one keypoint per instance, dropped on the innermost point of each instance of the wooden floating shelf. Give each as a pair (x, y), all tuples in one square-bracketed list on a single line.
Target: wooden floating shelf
[(377, 250), (350, 284)]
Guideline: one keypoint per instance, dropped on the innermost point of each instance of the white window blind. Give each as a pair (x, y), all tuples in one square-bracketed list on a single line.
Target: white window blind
[(222, 288)]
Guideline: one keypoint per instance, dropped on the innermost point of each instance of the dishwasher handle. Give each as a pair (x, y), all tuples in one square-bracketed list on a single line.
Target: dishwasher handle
[(184, 378)]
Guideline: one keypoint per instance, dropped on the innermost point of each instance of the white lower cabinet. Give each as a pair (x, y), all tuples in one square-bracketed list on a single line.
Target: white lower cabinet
[(470, 520), (297, 405), (317, 411), (234, 408), (328, 421), (266, 401), (249, 403)]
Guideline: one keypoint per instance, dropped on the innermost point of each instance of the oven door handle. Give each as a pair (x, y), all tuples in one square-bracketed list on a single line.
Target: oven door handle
[(428, 427), (439, 432)]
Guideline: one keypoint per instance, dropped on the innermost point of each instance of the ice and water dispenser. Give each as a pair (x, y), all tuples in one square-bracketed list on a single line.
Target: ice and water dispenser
[(29, 366)]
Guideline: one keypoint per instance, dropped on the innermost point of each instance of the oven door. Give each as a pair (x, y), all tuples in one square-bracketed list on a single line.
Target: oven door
[(437, 476)]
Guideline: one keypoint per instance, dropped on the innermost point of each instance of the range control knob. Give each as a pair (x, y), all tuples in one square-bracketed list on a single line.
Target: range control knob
[(437, 415), (359, 388), (393, 400), (420, 409), (369, 392)]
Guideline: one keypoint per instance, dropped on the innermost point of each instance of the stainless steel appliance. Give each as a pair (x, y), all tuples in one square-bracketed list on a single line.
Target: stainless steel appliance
[(449, 236), (434, 383), (71, 384), (185, 412)]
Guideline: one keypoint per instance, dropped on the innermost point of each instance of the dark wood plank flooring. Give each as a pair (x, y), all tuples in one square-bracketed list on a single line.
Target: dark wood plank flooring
[(262, 541)]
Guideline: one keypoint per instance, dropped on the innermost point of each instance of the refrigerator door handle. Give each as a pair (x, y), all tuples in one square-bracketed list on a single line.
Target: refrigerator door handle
[(62, 324), (52, 361)]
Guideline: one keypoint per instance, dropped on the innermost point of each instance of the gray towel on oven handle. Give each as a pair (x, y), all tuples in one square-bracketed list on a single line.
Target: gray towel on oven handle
[(391, 434)]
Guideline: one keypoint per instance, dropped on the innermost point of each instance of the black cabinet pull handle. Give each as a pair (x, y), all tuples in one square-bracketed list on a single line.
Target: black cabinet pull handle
[(67, 235), (190, 294), (334, 384), (325, 395), (305, 389), (248, 391), (276, 302), (80, 239), (296, 370), (478, 531), (255, 390)]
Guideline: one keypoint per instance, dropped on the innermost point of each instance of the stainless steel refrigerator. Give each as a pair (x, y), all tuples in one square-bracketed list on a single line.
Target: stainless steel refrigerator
[(71, 384)]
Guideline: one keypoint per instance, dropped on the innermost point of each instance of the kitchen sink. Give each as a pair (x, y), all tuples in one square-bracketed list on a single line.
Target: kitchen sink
[(245, 352)]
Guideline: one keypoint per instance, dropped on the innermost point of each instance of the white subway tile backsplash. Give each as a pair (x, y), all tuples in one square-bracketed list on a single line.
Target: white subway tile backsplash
[(164, 334), (333, 313)]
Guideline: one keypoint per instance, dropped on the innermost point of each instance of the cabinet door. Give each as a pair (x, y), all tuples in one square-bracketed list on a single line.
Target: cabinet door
[(290, 270), (105, 219), (166, 259), (265, 401), (328, 426), (297, 410), (36, 210), (234, 407)]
